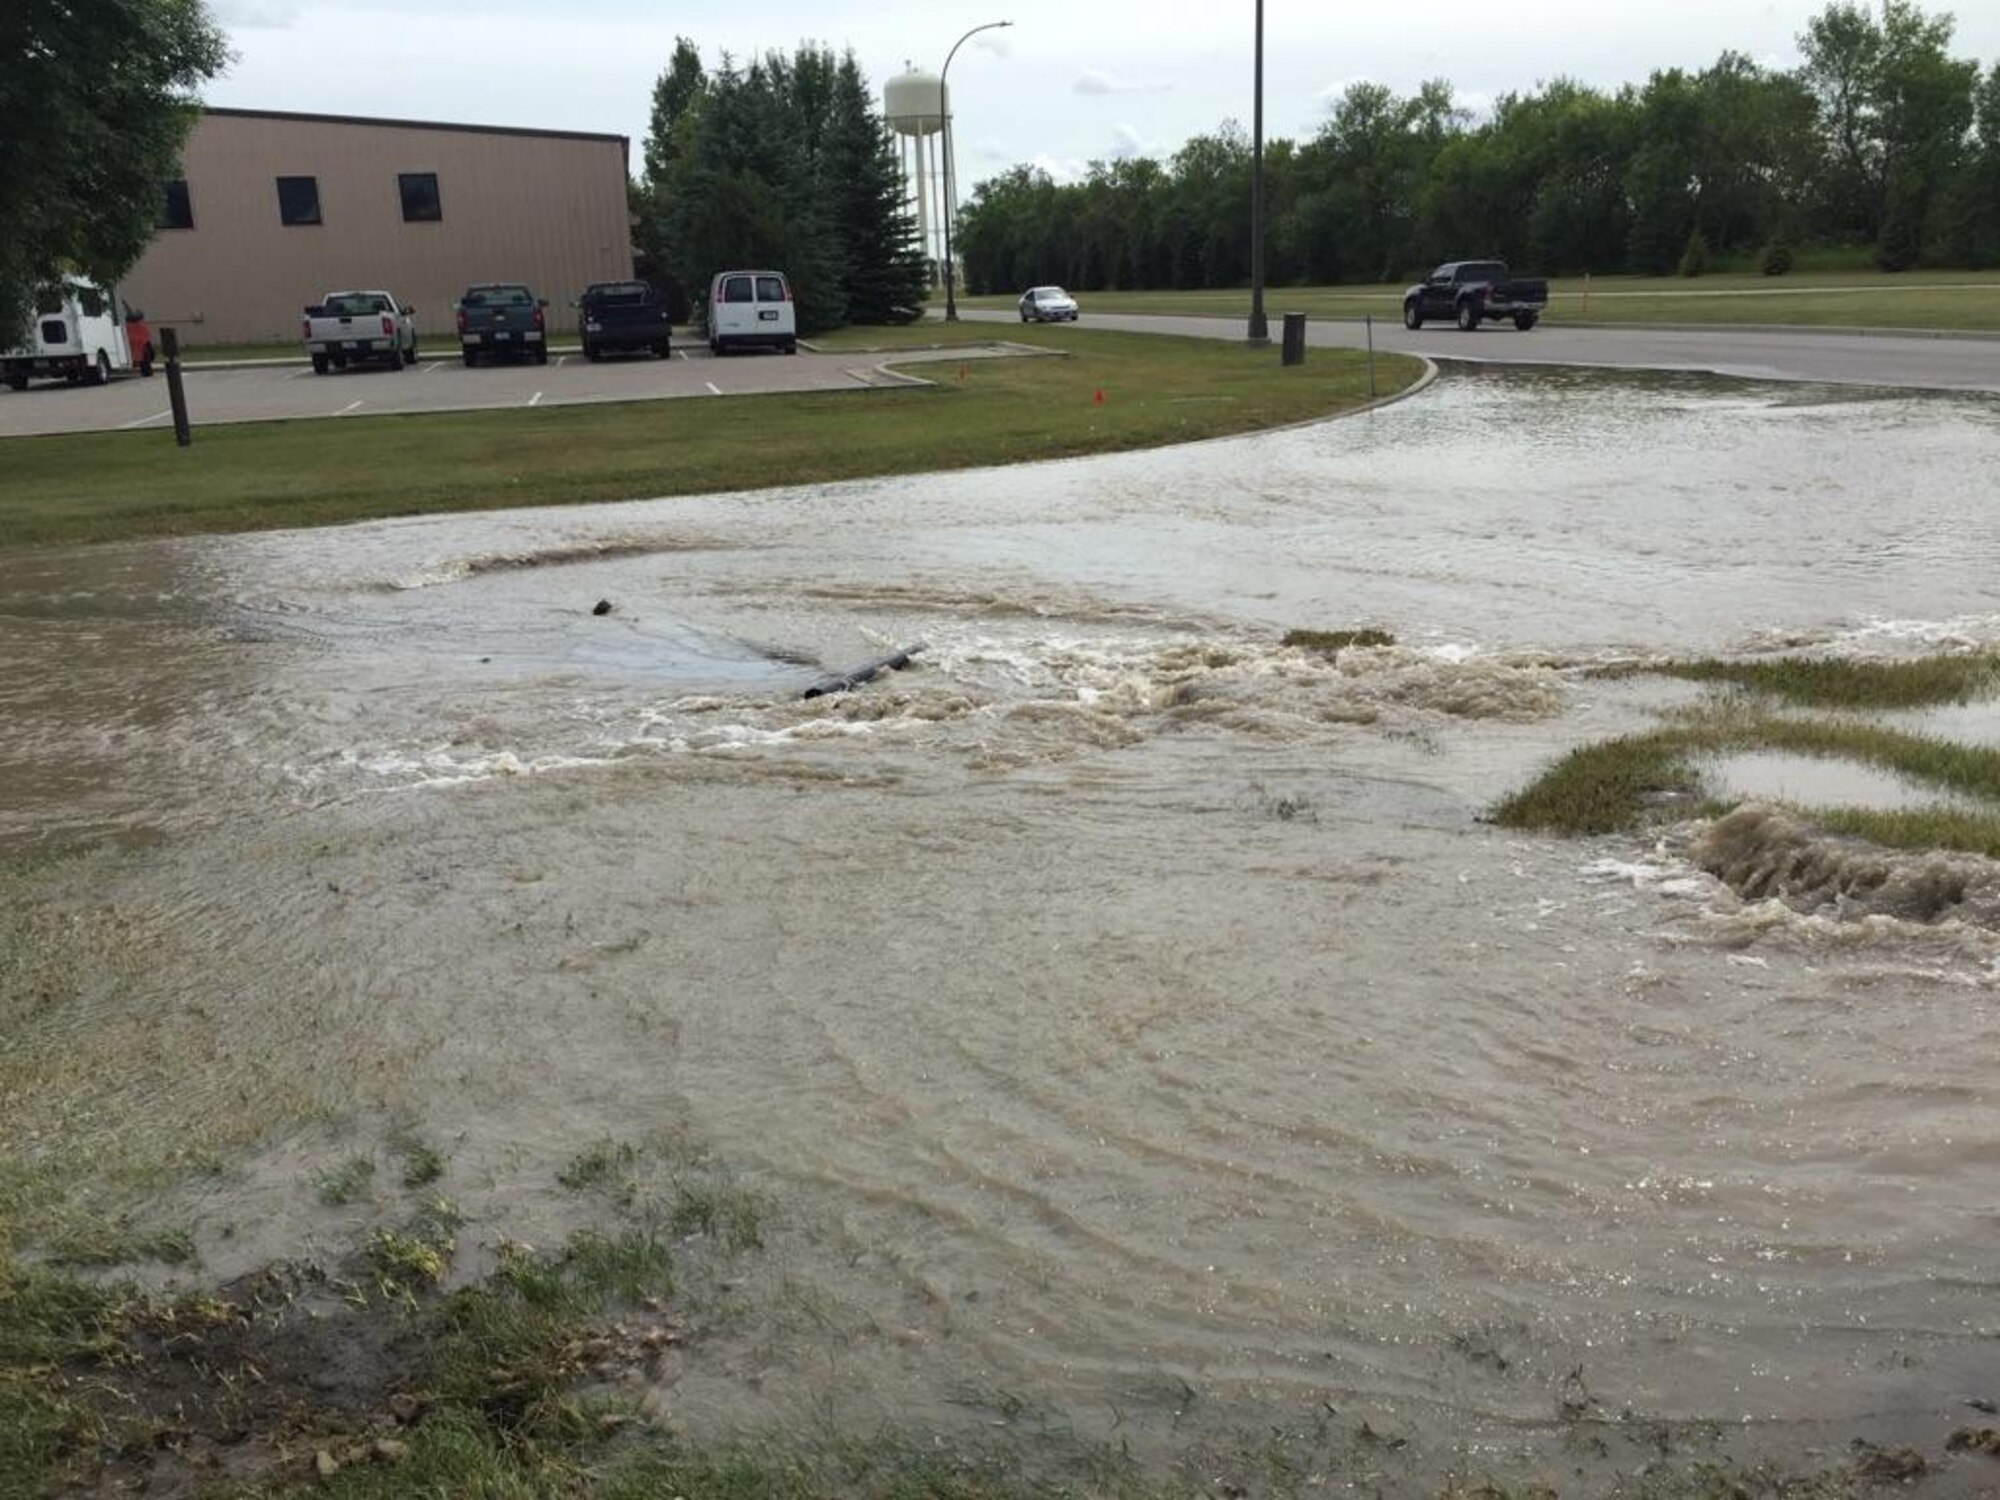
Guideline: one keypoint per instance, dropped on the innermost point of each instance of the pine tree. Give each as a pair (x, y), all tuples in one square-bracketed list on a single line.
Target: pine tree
[(882, 267)]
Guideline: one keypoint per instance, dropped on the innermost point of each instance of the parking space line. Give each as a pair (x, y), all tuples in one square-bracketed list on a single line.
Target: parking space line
[(713, 388), (347, 408), (536, 399), (142, 421), (561, 360), (680, 354), (308, 370), (433, 366)]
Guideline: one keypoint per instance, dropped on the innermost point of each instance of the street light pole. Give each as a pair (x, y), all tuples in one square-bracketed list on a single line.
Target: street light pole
[(1259, 331), (950, 168)]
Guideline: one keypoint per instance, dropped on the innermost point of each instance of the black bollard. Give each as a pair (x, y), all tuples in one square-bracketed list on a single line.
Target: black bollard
[(1294, 352), (170, 345)]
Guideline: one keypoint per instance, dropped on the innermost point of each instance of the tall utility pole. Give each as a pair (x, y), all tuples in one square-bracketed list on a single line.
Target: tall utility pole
[(950, 183), (1260, 331)]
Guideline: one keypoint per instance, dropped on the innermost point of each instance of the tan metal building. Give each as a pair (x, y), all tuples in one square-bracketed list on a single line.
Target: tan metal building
[(277, 209)]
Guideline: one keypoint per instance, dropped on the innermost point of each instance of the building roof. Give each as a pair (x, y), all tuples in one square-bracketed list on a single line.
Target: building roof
[(286, 114)]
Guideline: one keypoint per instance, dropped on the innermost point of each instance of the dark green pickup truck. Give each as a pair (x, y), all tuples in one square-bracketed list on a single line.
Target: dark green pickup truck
[(503, 319)]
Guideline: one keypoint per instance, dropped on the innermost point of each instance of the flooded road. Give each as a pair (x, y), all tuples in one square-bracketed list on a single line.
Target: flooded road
[(1129, 1019)]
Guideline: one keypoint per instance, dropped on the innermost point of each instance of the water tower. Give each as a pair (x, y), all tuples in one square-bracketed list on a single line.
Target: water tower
[(913, 105)]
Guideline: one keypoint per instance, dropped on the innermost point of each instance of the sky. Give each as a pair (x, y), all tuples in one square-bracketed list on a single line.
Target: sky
[(1071, 81)]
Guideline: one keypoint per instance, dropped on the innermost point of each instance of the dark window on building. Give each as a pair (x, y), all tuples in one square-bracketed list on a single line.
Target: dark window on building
[(176, 210), (420, 197), (298, 200)]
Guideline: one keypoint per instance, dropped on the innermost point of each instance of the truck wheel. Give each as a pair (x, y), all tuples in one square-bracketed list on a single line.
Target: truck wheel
[(320, 364), (791, 346), (590, 353), (664, 350), (1412, 316), (1468, 316), (410, 354), (146, 361), (468, 356), (1524, 321), (17, 382), (100, 373), (541, 354)]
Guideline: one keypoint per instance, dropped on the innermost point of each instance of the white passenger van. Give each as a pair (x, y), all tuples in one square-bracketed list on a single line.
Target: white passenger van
[(751, 309)]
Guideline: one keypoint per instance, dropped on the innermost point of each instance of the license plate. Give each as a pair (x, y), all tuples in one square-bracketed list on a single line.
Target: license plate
[(768, 317), (350, 344), (499, 336)]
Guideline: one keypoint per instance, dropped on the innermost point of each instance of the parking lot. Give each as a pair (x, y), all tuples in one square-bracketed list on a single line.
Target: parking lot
[(289, 391)]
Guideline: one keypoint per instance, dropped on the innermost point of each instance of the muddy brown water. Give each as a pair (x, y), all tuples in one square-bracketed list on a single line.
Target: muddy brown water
[(1129, 1020)]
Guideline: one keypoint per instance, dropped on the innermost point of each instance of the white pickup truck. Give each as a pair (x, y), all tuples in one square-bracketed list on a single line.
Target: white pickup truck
[(351, 328), (78, 332)]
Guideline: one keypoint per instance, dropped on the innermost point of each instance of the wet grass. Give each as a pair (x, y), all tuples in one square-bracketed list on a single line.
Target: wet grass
[(422, 1165), (102, 1244), (1619, 784), (1963, 301), (1821, 682), (1332, 642), (1112, 392), (523, 1386), (345, 1183)]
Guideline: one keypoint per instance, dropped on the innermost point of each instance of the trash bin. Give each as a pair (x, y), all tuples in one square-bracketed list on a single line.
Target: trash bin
[(1295, 339)]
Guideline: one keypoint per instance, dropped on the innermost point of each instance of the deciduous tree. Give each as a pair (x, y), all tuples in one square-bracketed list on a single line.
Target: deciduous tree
[(96, 100)]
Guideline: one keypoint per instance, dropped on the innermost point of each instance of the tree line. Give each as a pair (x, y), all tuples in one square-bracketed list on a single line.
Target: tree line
[(1879, 140), (786, 164)]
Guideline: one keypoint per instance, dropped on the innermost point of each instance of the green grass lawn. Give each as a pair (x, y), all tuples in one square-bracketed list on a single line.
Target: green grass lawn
[(1960, 300), (252, 476)]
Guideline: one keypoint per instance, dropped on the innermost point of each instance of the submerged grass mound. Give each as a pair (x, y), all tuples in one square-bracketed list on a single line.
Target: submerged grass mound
[(1615, 786), (1822, 682), (1328, 642)]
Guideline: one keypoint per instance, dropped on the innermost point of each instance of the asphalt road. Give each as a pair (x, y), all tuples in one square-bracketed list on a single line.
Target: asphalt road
[(1887, 359), (289, 392)]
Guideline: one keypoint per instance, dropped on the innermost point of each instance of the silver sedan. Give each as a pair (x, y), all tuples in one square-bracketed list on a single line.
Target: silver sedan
[(1047, 304)]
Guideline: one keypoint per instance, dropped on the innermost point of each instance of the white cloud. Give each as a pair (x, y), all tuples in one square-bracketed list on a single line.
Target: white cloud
[(1128, 143), (1094, 81), (1334, 92)]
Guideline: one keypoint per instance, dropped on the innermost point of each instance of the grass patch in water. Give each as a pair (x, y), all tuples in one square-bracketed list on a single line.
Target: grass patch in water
[(100, 1244), (1329, 642), (421, 1163), (600, 1166), (346, 1182), (1824, 682), (1614, 786)]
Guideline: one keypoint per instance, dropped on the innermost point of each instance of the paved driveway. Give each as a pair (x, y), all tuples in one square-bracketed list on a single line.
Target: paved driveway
[(1959, 364), (290, 391)]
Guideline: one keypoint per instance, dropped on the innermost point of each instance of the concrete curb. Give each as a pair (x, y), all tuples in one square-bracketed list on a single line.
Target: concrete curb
[(1562, 325)]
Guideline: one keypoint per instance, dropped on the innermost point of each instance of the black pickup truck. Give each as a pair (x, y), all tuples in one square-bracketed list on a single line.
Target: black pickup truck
[(621, 316), (503, 319), (1471, 291)]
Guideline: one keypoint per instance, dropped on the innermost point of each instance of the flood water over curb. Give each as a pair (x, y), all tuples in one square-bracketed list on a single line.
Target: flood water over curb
[(1117, 1006)]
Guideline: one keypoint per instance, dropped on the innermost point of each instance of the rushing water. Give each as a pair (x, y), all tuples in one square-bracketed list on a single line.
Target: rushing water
[(1123, 1011)]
